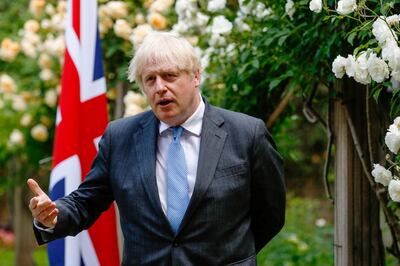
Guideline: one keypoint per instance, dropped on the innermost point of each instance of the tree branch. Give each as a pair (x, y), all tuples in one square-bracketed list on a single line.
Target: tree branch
[(279, 109)]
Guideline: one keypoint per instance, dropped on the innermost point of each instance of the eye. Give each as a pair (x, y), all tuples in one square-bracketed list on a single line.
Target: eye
[(172, 75), (149, 79)]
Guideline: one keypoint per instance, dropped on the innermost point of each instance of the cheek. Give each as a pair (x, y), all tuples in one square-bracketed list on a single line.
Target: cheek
[(149, 98)]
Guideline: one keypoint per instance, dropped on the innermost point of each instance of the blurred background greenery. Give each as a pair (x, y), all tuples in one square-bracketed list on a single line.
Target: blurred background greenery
[(265, 58)]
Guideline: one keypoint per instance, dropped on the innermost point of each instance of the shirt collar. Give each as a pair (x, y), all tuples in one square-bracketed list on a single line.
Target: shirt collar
[(193, 124)]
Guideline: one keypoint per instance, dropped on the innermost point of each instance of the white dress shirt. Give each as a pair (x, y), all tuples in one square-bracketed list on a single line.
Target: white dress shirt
[(190, 141)]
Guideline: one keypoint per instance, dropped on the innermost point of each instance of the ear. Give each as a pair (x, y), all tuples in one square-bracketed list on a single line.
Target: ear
[(197, 78)]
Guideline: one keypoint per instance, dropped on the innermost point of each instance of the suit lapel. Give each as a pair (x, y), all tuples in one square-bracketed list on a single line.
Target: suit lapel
[(211, 146), (146, 144)]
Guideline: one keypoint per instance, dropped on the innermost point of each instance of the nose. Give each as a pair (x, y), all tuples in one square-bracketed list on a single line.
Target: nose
[(160, 85)]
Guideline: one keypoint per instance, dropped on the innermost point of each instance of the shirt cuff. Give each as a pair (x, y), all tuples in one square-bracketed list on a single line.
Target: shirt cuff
[(41, 227)]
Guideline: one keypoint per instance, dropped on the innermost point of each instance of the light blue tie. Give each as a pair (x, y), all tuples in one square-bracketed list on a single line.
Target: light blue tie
[(177, 183)]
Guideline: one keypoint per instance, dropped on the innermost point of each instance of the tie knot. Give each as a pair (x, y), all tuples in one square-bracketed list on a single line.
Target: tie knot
[(177, 132)]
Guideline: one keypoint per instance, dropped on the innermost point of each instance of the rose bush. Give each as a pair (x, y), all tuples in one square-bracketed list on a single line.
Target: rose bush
[(255, 55)]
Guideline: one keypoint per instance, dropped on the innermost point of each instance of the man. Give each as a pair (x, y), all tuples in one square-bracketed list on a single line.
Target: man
[(194, 184)]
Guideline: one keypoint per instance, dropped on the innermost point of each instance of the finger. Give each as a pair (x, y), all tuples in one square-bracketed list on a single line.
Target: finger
[(34, 187), (51, 219), (33, 203), (46, 208), (45, 213), (44, 202), (42, 205)]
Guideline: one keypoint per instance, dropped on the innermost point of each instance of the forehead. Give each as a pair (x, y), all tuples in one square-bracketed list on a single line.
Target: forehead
[(154, 68)]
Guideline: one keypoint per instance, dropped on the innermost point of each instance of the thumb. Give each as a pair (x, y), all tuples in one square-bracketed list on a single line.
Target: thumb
[(34, 187)]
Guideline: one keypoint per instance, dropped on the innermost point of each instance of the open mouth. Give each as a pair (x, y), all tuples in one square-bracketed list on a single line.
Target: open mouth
[(165, 102)]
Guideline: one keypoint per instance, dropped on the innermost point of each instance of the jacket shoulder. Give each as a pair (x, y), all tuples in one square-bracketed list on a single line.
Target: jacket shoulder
[(236, 118)]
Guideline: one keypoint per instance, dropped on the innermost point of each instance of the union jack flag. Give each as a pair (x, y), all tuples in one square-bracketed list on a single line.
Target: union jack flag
[(81, 120)]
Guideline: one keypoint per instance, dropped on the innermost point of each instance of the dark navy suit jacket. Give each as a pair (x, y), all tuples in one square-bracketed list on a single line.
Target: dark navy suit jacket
[(237, 206)]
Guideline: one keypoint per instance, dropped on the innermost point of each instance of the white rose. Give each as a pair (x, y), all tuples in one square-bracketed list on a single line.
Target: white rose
[(205, 61), (351, 66), (28, 49), (201, 19), (132, 109), (31, 37), (161, 5), (157, 21), (183, 6), (16, 138), (134, 98), (36, 7), (396, 122), (50, 98), (394, 190), (139, 33), (26, 120), (18, 103), (180, 27), (241, 25), (39, 133), (361, 74), (381, 174), (55, 46), (105, 24), (217, 40), (32, 26), (391, 53), (139, 19), (290, 9), (62, 7), (246, 7), (122, 29), (339, 66), (315, 6), (9, 49), (215, 5), (377, 68), (7, 84), (50, 10), (392, 138), (346, 6), (260, 11), (221, 25), (45, 61), (118, 9), (58, 22), (382, 32), (46, 74), (104, 12), (45, 24), (393, 20)]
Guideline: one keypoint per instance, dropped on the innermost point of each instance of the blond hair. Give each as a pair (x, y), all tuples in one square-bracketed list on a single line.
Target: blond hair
[(162, 48)]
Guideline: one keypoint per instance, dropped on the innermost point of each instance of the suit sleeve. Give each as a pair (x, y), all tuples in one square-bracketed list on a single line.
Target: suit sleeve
[(80, 209), (268, 188)]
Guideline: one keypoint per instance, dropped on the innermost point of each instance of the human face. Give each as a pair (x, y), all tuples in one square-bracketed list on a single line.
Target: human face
[(172, 94)]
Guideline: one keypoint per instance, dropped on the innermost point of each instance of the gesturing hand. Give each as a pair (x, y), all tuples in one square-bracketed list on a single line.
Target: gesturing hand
[(42, 207)]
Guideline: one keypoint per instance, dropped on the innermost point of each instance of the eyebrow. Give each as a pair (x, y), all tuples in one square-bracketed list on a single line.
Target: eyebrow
[(161, 71)]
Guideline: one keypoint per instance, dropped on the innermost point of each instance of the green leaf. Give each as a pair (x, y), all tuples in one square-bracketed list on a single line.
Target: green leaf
[(376, 94), (274, 84), (256, 63), (350, 38)]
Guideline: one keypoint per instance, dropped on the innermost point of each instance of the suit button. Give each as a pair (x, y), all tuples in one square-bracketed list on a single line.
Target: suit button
[(175, 244)]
